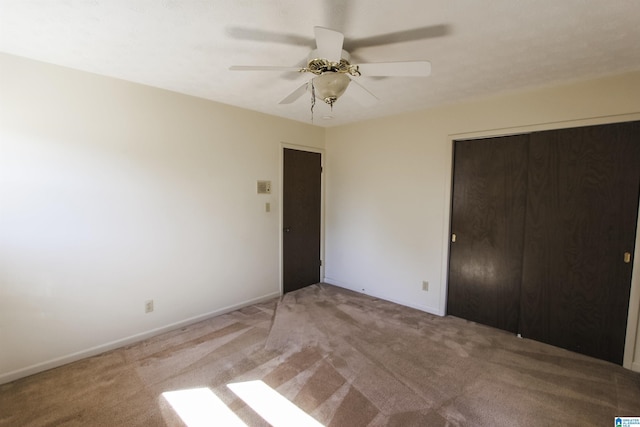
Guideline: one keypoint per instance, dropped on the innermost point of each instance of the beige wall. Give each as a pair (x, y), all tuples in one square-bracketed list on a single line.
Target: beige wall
[(389, 180), (113, 193)]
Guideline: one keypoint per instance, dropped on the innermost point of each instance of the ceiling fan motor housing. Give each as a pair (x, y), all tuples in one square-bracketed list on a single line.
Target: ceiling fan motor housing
[(317, 65)]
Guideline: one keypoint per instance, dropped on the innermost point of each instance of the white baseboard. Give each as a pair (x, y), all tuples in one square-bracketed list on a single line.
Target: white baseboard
[(93, 351), (635, 366), (341, 284)]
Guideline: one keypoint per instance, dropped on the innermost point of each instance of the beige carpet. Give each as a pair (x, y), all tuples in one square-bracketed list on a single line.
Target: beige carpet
[(344, 358)]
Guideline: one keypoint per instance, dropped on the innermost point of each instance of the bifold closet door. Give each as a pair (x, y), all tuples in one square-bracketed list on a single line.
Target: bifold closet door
[(487, 222), (582, 205)]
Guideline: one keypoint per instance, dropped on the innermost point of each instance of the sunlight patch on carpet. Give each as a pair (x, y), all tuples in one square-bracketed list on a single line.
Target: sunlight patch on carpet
[(271, 405), (201, 407)]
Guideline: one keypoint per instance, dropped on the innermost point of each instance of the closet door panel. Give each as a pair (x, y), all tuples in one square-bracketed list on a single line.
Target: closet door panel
[(582, 203), (485, 264)]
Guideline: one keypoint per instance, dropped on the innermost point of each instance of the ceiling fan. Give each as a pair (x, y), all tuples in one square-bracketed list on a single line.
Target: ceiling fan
[(333, 72)]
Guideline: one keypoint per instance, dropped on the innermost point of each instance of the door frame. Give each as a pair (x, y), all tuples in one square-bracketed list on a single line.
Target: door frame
[(633, 316), (321, 151)]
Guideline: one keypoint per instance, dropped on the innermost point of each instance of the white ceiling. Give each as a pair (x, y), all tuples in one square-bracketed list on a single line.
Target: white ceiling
[(476, 47)]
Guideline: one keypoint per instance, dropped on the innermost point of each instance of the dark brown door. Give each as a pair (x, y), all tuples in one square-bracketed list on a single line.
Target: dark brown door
[(301, 219), (581, 218), (488, 213)]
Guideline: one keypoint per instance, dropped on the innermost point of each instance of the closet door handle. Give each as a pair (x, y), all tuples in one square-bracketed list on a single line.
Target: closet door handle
[(627, 257)]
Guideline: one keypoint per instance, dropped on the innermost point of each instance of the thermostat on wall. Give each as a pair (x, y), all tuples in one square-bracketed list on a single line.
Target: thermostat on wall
[(264, 187)]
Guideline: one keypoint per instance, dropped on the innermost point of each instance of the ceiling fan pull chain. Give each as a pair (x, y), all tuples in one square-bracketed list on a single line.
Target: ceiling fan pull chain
[(313, 99)]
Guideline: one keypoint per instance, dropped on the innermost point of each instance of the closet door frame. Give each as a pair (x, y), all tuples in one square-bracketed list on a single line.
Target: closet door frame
[(632, 345)]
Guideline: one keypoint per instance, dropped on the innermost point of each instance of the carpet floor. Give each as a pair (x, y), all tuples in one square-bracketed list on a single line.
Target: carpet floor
[(344, 358)]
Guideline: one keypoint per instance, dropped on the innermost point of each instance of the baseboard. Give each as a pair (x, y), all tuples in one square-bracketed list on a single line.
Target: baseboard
[(341, 284), (93, 351), (635, 366)]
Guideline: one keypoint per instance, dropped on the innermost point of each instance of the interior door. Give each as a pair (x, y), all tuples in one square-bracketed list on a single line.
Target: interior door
[(301, 219), (581, 218), (488, 213)]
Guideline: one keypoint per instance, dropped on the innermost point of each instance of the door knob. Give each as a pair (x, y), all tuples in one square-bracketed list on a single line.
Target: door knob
[(627, 257), (286, 229)]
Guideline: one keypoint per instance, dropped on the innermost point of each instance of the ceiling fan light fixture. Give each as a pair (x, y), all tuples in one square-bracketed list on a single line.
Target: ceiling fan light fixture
[(330, 86)]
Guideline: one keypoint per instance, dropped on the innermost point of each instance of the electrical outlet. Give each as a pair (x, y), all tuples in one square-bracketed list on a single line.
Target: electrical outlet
[(425, 286), (148, 306)]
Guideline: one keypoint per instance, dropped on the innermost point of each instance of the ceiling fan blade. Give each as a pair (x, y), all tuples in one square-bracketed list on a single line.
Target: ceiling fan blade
[(242, 33), (361, 94), (262, 68), (396, 69), (329, 43), (293, 96), (422, 33)]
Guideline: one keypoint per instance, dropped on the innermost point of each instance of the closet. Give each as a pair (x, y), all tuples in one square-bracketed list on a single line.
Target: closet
[(543, 231)]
